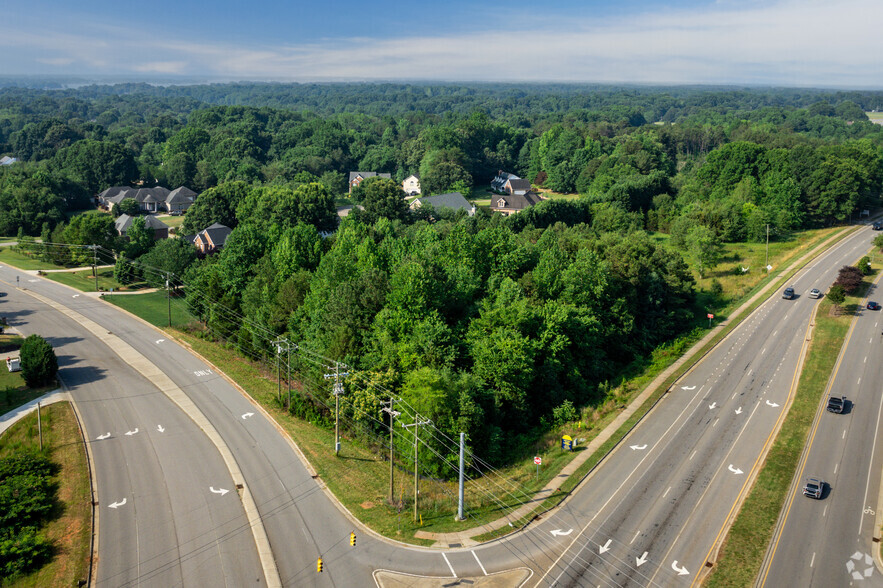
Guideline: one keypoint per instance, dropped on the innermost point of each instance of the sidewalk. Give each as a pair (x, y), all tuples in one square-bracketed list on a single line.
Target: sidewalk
[(464, 538), (16, 414)]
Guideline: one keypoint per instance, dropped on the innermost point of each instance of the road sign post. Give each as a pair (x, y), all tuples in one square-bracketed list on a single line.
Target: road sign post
[(538, 460)]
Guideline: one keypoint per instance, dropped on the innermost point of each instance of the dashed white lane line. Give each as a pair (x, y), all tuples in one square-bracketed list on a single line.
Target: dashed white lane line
[(813, 560), (692, 456), (666, 492), (835, 468), (825, 511), (450, 567), (475, 555), (635, 537), (844, 434)]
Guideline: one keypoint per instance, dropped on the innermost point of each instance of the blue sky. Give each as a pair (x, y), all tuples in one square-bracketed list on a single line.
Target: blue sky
[(776, 42)]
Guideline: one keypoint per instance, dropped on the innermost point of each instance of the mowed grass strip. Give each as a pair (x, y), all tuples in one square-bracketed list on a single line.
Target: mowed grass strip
[(745, 546), (22, 261), (154, 307), (84, 280), (70, 531)]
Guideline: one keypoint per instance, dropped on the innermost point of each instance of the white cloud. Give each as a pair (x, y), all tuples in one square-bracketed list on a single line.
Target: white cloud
[(790, 42)]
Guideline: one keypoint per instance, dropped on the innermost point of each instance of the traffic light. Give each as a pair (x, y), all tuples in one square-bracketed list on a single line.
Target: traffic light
[(319, 565), (353, 538)]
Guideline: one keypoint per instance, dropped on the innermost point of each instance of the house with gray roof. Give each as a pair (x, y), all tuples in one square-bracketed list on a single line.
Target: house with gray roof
[(160, 229), (452, 200), (357, 177), (498, 184), (507, 204), (6, 160), (156, 199), (211, 238), (516, 186)]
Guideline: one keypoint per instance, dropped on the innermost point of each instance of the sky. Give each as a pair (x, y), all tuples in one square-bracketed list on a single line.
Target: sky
[(774, 42)]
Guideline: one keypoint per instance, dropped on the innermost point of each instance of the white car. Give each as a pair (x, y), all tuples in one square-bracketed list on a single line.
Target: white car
[(814, 293)]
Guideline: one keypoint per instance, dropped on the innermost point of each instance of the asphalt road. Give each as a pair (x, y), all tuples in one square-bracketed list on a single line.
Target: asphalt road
[(653, 514), (160, 523), (829, 542), (649, 516)]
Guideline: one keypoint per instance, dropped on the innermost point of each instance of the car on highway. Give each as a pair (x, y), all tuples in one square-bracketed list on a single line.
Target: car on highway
[(836, 404), (815, 293), (877, 226), (813, 488), (872, 305), (788, 293)]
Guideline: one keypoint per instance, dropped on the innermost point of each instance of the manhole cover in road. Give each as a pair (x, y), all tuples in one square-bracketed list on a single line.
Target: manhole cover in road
[(860, 566)]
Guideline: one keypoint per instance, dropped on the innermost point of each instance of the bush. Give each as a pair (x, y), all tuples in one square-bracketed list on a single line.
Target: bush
[(864, 264), (38, 362), (837, 294), (23, 552), (850, 277), (564, 413)]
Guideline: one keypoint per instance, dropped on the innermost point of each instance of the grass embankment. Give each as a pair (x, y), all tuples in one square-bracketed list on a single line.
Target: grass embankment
[(364, 489), (24, 262), (71, 526), (84, 280), (153, 307), (744, 548)]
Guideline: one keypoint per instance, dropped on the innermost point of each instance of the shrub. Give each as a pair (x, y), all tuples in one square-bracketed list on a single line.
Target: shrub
[(850, 277), (38, 362), (23, 552), (837, 294), (564, 413), (864, 264)]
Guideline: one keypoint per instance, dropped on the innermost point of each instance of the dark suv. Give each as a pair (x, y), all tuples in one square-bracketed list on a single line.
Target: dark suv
[(788, 294), (836, 404)]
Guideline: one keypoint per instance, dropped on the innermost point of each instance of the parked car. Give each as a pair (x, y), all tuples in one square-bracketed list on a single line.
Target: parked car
[(836, 404), (788, 294), (872, 305), (813, 488), (815, 293)]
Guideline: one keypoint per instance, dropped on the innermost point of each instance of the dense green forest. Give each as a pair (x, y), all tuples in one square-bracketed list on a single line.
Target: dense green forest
[(486, 324)]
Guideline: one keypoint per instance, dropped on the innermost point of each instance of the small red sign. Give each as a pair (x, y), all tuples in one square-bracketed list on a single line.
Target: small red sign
[(538, 460), (711, 316)]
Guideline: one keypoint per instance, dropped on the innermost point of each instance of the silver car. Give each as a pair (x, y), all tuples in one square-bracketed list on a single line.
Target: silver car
[(813, 488), (814, 293)]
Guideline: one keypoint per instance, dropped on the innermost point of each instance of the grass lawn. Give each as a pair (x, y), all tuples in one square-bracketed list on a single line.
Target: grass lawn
[(71, 527), (875, 116), (152, 307), (84, 281), (172, 221), (745, 546), (13, 390), (24, 262)]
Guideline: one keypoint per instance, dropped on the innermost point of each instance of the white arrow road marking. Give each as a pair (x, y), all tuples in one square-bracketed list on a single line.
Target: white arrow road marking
[(712, 405), (773, 404), (130, 433), (117, 504), (639, 561), (681, 571), (605, 547), (158, 341), (638, 447), (220, 491), (736, 471), (33, 280), (688, 387), (559, 532), (248, 414), (75, 296), (739, 410), (160, 429), (103, 437)]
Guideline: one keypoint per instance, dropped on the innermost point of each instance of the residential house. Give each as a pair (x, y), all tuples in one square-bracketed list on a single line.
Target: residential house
[(516, 186), (357, 177), (6, 160), (157, 199), (411, 185), (160, 229), (211, 238), (452, 200), (507, 204), (498, 184)]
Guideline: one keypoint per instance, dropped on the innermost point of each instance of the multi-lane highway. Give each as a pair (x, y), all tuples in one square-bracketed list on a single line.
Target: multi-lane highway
[(649, 516), (830, 542)]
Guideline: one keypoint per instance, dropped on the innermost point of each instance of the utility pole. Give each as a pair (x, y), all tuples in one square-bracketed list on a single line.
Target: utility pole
[(337, 390), (462, 460), (416, 424), (168, 297), (767, 263), (40, 426), (95, 265), (392, 415), (283, 344), (278, 343)]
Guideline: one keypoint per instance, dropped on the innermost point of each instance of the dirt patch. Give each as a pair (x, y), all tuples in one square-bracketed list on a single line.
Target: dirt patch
[(367, 504)]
